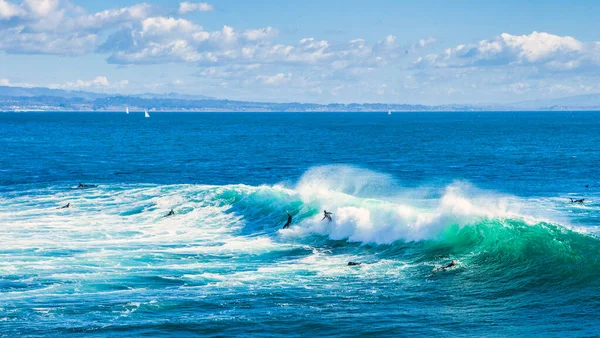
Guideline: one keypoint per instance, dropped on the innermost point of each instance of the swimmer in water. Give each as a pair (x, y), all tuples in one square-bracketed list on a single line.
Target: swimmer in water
[(171, 213), (65, 206), (453, 263), (289, 220), (327, 215), (354, 263)]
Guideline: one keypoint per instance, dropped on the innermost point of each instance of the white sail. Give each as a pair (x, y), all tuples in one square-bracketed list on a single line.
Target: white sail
[(127, 110), (389, 112), (146, 113)]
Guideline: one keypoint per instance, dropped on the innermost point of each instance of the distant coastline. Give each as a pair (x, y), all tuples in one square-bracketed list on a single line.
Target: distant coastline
[(19, 99)]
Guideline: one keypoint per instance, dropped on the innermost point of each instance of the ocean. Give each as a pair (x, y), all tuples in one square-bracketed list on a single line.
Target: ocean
[(409, 192)]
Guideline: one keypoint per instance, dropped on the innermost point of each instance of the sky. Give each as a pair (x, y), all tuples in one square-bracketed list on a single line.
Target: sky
[(387, 51)]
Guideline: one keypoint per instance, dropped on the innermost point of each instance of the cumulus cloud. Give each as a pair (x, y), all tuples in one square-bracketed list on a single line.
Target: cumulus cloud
[(18, 40), (41, 8), (188, 7), (9, 10), (538, 48), (56, 16), (162, 39), (246, 57), (426, 42), (100, 82), (237, 72), (136, 35), (260, 34), (275, 80), (518, 88), (58, 27), (109, 18)]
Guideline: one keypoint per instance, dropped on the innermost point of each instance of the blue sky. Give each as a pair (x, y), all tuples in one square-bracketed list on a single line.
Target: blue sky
[(428, 52)]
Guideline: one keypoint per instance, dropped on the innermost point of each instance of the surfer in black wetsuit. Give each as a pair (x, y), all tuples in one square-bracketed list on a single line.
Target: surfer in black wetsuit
[(354, 263), (577, 201), (85, 186), (65, 206), (453, 263), (171, 213), (327, 215), (289, 221)]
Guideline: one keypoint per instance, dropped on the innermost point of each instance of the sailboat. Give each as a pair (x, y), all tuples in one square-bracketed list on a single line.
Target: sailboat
[(389, 112), (146, 113), (127, 110)]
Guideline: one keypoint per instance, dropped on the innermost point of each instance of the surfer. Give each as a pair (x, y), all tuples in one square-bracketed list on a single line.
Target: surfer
[(65, 206), (354, 263), (453, 263), (85, 186), (289, 221), (577, 201), (327, 215), (171, 213)]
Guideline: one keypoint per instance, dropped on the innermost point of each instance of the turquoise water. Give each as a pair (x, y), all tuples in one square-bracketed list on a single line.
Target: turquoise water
[(409, 193)]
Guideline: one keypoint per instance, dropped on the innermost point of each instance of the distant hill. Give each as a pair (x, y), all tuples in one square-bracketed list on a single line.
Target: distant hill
[(40, 91), (577, 102), (173, 96), (45, 99)]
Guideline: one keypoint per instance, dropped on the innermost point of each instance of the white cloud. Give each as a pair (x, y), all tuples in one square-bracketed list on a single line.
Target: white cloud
[(232, 72), (58, 27), (541, 46), (9, 10), (537, 49), (426, 42), (18, 40), (260, 34), (277, 79), (167, 27), (237, 58), (41, 8), (164, 40), (137, 36), (518, 88), (8, 83), (381, 89), (110, 18), (188, 7), (562, 89), (100, 82)]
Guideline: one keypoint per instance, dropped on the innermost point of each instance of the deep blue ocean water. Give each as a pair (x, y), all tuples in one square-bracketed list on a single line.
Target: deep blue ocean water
[(409, 192)]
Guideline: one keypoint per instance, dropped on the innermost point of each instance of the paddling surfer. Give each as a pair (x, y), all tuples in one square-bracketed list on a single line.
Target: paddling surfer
[(453, 263)]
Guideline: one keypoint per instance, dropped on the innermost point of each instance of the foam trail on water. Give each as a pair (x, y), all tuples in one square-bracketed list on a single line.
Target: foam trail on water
[(219, 230)]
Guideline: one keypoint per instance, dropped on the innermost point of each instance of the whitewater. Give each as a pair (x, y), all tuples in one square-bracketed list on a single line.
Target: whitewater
[(114, 248), (112, 265)]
